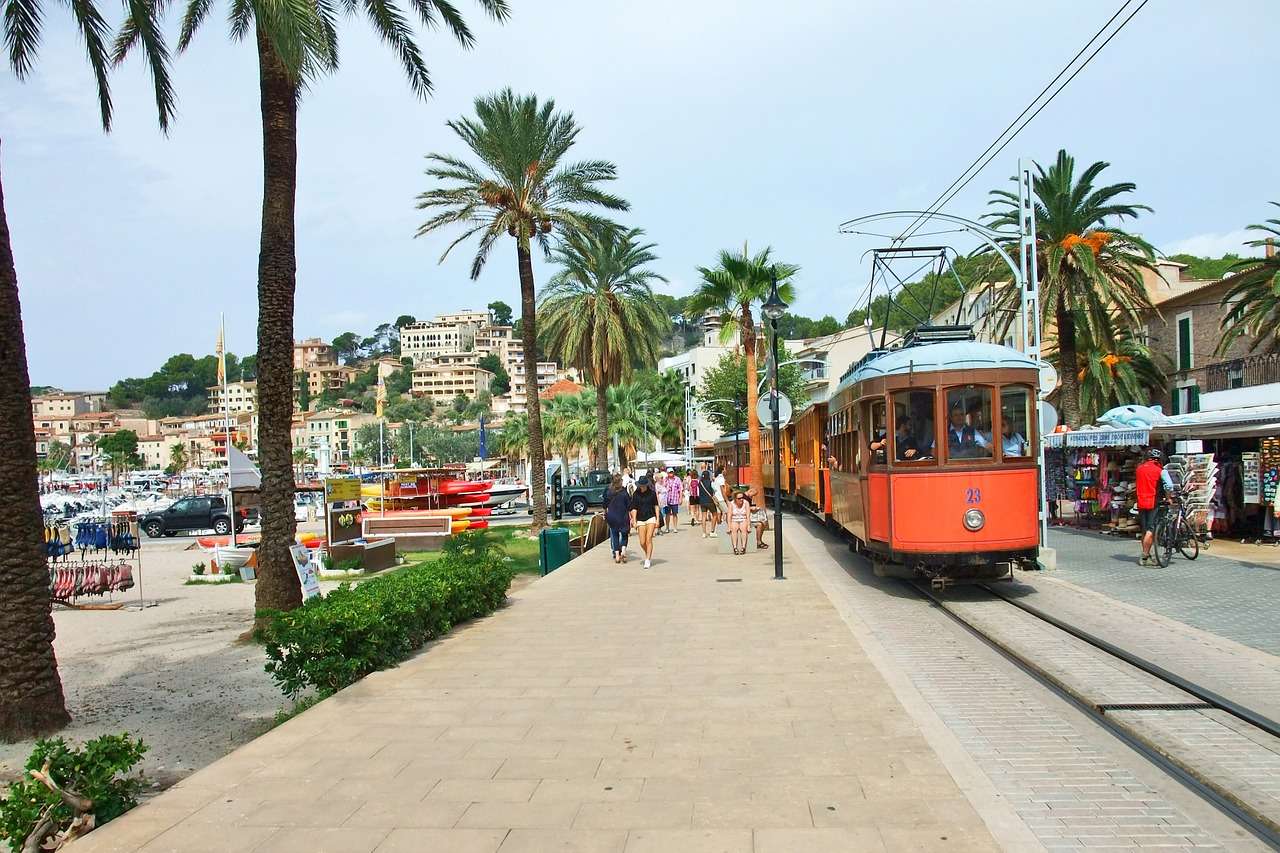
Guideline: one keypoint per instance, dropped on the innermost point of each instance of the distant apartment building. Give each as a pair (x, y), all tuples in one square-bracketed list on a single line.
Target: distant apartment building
[(312, 352), (67, 404), (692, 365), (547, 372), (442, 382), (329, 435), (447, 334), (155, 450), (240, 397), (499, 341), (327, 377)]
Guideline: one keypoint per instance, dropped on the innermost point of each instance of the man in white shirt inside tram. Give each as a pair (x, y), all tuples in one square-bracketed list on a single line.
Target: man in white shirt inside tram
[(963, 439)]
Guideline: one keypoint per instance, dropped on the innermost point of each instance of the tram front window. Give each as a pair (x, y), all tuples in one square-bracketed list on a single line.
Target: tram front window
[(969, 423), (1015, 414), (913, 439)]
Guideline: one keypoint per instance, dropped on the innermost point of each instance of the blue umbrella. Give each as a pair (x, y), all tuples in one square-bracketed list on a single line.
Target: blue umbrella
[(484, 439)]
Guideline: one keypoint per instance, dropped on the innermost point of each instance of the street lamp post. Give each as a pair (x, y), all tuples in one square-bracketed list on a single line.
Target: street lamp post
[(774, 308)]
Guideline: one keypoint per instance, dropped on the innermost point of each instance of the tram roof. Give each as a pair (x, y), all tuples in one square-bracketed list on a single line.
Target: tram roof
[(949, 355)]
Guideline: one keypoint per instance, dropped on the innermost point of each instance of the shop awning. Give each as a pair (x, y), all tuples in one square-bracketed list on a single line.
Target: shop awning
[(1239, 422)]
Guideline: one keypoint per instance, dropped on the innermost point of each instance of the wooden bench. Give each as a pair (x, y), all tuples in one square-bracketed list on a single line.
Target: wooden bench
[(411, 533)]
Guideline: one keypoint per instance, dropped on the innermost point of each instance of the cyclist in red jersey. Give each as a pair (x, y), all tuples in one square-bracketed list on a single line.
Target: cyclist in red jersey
[(1153, 483)]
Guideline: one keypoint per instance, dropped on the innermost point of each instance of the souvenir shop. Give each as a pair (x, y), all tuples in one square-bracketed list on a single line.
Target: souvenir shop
[(1227, 461)]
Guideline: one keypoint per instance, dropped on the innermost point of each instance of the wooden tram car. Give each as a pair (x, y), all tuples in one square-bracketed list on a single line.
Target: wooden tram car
[(733, 455), (922, 456)]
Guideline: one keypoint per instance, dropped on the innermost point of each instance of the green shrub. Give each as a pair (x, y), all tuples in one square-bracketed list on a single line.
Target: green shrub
[(353, 564), (332, 642), (197, 568), (90, 771)]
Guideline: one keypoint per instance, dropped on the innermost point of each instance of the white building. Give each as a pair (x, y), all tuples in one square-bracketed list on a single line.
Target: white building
[(447, 334), (547, 374), (692, 365), (241, 397)]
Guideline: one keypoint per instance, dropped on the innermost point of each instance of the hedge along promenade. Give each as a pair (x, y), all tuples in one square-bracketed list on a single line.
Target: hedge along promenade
[(332, 642)]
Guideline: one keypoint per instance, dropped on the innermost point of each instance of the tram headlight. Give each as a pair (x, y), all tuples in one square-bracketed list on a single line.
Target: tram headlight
[(974, 519)]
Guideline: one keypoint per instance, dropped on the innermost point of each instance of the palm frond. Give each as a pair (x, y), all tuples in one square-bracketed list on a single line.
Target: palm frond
[(141, 26)]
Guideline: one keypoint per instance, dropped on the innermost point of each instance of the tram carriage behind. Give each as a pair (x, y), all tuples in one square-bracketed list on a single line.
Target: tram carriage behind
[(932, 470)]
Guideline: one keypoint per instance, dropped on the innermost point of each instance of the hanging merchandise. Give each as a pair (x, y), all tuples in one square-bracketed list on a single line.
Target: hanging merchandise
[(95, 573), (1250, 481)]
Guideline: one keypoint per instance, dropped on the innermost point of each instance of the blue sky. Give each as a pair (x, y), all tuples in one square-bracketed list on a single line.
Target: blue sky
[(728, 121)]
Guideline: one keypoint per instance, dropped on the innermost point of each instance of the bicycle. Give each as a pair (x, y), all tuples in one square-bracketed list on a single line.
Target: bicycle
[(1173, 530)]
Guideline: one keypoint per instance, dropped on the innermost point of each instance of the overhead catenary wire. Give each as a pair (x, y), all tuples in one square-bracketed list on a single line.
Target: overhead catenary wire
[(1019, 123)]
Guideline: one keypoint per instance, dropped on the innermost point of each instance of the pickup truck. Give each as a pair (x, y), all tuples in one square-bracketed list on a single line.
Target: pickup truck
[(203, 512), (589, 492)]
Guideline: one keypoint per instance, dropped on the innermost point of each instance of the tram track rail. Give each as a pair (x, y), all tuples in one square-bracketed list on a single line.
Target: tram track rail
[(1262, 824)]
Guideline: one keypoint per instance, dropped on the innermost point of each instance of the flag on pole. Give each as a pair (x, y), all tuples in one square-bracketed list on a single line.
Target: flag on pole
[(484, 440), (220, 352), (381, 397)]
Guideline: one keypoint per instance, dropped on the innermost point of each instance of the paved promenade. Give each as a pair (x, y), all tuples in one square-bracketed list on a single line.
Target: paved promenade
[(698, 706)]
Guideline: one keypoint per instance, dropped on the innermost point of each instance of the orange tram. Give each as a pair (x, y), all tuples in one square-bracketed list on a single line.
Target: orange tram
[(922, 456)]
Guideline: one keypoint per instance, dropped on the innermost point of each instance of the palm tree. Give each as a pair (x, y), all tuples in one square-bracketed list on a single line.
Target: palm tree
[(571, 423), (666, 391), (599, 314), (31, 697), (296, 43), (522, 189), (1090, 271), (512, 441), (632, 418), (178, 457), (731, 289), (1253, 301), (1115, 373)]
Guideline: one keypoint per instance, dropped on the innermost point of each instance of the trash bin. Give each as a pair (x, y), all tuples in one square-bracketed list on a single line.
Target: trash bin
[(553, 548)]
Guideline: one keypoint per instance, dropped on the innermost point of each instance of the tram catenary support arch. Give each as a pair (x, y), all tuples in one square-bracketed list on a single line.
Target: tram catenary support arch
[(1026, 275)]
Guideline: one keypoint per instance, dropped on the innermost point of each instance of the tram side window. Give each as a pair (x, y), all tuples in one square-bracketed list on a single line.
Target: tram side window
[(913, 431), (1015, 415), (878, 434), (969, 423)]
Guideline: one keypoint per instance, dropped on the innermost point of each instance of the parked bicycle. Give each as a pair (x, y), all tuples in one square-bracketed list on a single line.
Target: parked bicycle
[(1174, 530)]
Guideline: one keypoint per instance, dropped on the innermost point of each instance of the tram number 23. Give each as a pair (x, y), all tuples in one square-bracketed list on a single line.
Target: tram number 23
[(973, 496)]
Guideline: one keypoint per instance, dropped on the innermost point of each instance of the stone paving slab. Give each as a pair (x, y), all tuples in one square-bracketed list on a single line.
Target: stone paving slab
[(1239, 761), (1232, 598), (1233, 670), (1061, 779), (607, 708)]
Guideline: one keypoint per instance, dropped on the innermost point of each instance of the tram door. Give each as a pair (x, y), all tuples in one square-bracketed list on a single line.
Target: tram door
[(876, 483)]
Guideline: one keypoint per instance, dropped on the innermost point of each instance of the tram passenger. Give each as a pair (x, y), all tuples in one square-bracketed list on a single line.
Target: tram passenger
[(905, 448), (963, 439), (1011, 441)]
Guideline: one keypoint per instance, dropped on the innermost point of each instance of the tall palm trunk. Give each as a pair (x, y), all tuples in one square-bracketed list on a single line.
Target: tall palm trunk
[(602, 427), (756, 468), (31, 701), (277, 587), (528, 309), (1068, 370)]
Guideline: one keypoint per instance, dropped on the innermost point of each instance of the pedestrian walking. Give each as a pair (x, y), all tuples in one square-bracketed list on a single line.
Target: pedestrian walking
[(644, 516), (707, 500), (691, 489), (660, 489), (721, 495), (675, 493), (629, 479), (617, 515)]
